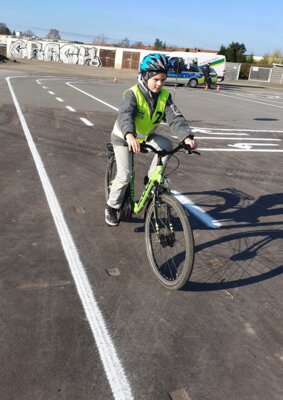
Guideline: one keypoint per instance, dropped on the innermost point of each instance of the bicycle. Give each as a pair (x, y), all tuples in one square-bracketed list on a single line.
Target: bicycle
[(168, 234)]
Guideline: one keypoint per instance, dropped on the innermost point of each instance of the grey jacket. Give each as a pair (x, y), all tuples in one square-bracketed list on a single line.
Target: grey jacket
[(125, 122)]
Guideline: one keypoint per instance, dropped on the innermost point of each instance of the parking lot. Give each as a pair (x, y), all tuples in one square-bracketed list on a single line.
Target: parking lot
[(70, 327)]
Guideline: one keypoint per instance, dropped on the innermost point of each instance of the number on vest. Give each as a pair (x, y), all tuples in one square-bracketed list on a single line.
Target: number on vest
[(159, 116)]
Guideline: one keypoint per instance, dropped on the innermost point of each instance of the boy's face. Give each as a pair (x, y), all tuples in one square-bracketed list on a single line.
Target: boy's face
[(156, 82)]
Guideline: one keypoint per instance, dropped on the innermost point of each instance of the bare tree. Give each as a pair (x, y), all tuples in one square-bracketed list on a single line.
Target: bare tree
[(138, 45), (124, 43), (53, 34), (100, 40), (28, 33)]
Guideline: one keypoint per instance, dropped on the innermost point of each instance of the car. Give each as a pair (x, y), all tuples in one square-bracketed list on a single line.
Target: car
[(190, 76)]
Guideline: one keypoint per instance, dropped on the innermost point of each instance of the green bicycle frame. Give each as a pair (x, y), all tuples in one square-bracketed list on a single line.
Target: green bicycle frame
[(156, 178)]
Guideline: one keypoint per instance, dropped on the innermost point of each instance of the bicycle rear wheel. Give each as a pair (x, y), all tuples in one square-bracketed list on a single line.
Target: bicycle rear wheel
[(169, 242)]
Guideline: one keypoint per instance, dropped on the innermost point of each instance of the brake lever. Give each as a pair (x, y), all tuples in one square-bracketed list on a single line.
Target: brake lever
[(190, 151), (143, 149)]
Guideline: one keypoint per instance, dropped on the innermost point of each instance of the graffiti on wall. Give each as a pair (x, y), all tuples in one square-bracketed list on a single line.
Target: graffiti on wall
[(63, 53)]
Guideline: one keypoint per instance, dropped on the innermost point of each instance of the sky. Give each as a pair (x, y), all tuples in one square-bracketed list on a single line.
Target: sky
[(204, 24)]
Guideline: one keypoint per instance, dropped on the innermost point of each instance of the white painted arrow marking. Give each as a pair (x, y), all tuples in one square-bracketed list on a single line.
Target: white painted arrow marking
[(250, 145)]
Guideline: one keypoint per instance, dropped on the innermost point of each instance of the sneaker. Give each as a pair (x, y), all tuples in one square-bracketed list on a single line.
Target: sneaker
[(111, 216)]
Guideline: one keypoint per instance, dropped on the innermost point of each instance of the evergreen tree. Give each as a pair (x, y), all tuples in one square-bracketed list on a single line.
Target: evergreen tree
[(4, 30)]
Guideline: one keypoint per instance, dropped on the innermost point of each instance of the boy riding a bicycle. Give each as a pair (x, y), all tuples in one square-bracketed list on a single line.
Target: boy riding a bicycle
[(143, 108)]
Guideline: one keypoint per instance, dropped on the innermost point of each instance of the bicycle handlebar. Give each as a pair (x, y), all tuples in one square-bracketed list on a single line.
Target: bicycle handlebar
[(163, 153)]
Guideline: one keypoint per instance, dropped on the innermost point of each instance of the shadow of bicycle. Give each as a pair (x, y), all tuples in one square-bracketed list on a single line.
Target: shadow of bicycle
[(236, 260), (251, 254), (238, 208)]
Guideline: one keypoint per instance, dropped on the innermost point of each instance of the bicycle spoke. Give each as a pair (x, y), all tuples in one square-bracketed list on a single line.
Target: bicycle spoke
[(169, 242)]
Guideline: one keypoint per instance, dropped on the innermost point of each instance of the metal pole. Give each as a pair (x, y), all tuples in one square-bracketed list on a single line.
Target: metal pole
[(176, 80)]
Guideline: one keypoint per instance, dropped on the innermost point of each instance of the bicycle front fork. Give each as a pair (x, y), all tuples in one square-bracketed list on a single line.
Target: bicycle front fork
[(163, 226)]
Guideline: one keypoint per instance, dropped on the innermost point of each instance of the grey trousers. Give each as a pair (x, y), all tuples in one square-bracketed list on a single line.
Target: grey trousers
[(124, 167)]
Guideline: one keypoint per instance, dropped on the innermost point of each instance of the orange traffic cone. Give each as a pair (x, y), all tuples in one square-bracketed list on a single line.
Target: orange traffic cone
[(218, 88)]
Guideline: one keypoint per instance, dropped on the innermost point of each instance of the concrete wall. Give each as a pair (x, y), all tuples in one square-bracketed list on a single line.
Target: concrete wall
[(66, 52), (53, 51)]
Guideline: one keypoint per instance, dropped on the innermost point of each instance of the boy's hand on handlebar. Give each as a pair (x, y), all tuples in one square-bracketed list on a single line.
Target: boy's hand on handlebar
[(192, 143), (133, 144)]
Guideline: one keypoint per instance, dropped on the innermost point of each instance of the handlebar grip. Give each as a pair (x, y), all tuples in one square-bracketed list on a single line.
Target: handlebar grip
[(187, 148), (190, 151)]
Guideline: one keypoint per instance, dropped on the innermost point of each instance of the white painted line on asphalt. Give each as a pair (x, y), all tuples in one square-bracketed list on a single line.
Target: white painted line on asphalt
[(163, 123), (70, 109), (201, 149), (196, 210), (93, 97), (238, 138), (51, 92), (249, 146), (99, 82), (210, 130), (86, 121), (45, 87), (254, 144), (59, 99), (259, 96), (113, 368), (251, 101), (250, 150)]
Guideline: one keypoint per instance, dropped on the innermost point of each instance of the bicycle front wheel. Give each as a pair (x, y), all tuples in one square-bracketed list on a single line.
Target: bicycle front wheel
[(169, 242)]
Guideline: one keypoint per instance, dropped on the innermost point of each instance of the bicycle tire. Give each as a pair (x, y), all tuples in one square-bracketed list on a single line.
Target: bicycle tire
[(171, 250)]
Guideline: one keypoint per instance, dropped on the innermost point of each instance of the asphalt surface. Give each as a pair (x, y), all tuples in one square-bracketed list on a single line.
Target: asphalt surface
[(82, 316)]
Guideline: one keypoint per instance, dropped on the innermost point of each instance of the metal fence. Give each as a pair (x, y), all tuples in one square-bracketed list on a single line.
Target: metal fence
[(232, 71), (277, 74), (272, 75), (260, 74)]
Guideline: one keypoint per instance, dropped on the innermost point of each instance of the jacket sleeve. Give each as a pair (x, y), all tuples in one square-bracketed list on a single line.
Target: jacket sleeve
[(176, 121), (127, 113)]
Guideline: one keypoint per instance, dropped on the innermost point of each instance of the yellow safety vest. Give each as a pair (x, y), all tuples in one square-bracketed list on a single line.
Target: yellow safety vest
[(144, 122)]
